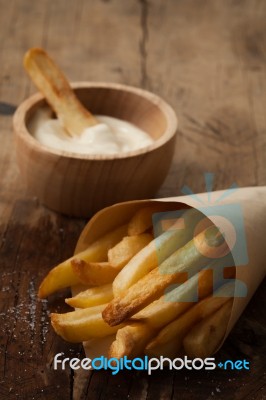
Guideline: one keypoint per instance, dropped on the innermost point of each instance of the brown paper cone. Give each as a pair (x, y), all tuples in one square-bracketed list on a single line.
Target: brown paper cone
[(252, 204)]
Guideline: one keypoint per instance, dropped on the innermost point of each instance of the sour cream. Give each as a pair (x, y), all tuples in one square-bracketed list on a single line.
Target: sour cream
[(110, 136)]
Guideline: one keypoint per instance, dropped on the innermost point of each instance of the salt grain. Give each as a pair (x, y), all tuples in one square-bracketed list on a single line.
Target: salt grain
[(32, 307)]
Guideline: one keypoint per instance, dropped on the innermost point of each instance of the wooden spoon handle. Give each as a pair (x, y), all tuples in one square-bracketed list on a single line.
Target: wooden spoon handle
[(50, 80)]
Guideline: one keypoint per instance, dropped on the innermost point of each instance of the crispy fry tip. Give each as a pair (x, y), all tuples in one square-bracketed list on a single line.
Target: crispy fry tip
[(69, 301), (111, 318), (41, 291)]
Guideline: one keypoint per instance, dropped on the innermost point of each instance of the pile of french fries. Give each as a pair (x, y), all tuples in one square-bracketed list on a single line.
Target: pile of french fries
[(156, 296)]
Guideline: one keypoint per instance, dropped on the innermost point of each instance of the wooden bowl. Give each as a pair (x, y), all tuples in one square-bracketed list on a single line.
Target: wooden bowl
[(79, 185)]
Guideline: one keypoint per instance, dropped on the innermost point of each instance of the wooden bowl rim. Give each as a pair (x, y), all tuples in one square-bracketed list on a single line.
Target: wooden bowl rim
[(21, 130)]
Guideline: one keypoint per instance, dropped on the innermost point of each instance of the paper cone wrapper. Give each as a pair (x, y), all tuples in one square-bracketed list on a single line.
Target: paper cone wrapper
[(251, 202)]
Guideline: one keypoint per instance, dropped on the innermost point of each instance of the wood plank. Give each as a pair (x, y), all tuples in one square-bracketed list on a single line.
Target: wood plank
[(210, 94)]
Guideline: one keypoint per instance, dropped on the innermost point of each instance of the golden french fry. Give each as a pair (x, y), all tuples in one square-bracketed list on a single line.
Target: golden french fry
[(176, 330), (142, 219), (93, 273), (58, 278), (190, 257), (156, 252), (97, 347), (81, 325), (160, 312), (205, 337), (122, 252), (130, 340), (140, 265), (53, 84), (169, 306), (63, 275), (137, 297), (211, 278), (92, 297)]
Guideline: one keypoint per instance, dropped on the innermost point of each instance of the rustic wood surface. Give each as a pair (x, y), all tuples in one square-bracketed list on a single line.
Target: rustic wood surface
[(207, 58)]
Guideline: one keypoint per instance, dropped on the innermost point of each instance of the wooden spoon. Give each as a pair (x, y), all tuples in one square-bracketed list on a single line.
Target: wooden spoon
[(50, 80)]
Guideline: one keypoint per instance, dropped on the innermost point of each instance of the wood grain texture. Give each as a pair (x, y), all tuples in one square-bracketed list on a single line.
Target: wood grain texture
[(208, 60)]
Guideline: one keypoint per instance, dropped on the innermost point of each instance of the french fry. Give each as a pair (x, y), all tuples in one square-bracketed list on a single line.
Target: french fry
[(97, 347), (63, 275), (93, 273), (205, 337), (140, 265), (142, 219), (122, 252), (150, 287), (190, 257), (169, 306), (92, 297), (131, 340), (82, 325), (175, 332), (156, 252), (53, 84)]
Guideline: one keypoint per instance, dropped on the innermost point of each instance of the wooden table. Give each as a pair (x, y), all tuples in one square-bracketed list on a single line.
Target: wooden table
[(207, 58)]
